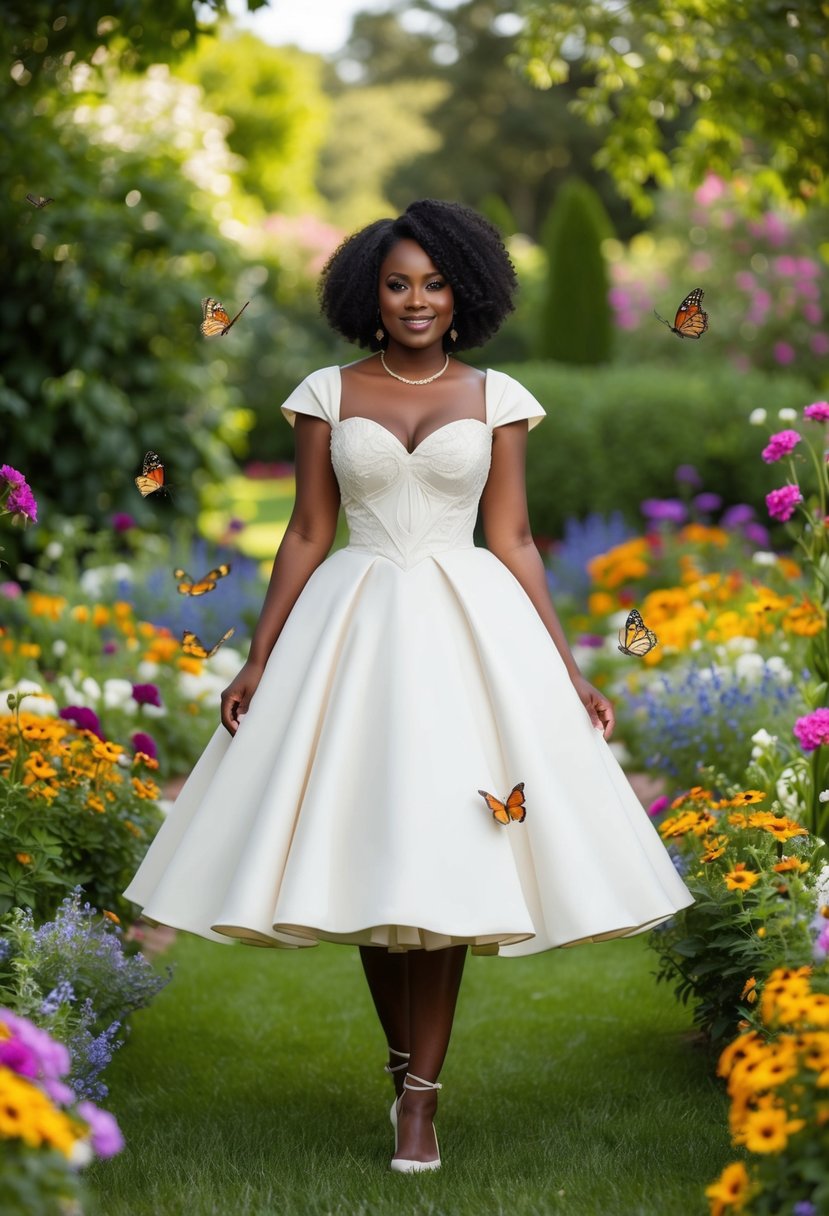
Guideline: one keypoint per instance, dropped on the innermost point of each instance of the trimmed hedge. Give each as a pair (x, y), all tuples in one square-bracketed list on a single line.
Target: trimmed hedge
[(615, 436)]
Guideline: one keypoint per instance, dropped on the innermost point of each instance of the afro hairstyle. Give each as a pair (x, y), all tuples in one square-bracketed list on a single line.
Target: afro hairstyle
[(466, 249)]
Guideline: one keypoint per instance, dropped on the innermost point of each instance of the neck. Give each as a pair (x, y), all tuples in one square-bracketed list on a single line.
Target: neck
[(415, 363)]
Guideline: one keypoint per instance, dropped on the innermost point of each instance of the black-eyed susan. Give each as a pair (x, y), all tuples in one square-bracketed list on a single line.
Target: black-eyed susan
[(747, 798), (731, 1189), (768, 1131), (788, 864), (714, 847), (740, 878)]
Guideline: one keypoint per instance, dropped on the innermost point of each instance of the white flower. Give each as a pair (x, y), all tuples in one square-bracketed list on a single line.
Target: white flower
[(147, 672), (53, 550), (822, 886), (226, 662), (757, 417), (786, 791), (749, 667), (117, 694), (206, 685), (96, 578), (823, 796), (91, 688), (153, 711), (761, 558), (740, 645), (80, 1154), (779, 668), (787, 415), (59, 647), (763, 739), (41, 703)]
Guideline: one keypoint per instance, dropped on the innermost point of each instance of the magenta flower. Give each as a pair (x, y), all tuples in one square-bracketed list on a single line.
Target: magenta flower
[(707, 501), (734, 517), (818, 411), (813, 730), (21, 504), (660, 805), (784, 353), (51, 1057), (780, 445), (84, 718), (19, 1057), (121, 522), (670, 510), (110, 647), (781, 503), (11, 477), (105, 1134), (145, 743), (11, 591), (146, 694)]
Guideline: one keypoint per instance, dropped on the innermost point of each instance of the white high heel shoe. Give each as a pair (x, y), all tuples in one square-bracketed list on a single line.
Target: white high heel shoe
[(391, 1069), (400, 1165)]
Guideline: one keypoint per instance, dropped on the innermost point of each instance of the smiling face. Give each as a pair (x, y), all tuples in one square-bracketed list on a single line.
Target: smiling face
[(416, 302)]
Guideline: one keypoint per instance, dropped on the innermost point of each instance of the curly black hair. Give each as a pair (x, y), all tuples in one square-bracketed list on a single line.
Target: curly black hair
[(464, 246)]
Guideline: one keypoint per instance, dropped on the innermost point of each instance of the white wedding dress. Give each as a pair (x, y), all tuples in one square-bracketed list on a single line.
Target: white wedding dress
[(412, 671)]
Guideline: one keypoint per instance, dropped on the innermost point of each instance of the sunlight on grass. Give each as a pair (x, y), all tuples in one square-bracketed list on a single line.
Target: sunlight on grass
[(263, 505), (254, 1085)]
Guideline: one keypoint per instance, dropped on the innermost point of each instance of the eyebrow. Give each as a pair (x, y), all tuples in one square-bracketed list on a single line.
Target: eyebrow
[(432, 274)]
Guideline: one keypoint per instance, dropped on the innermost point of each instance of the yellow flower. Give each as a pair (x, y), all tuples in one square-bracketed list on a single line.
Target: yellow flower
[(116, 920), (27, 1114), (749, 991), (29, 650), (145, 789), (94, 803), (105, 750), (745, 1046), (51, 606), (730, 1190), (132, 829), (745, 797), (702, 534), (189, 664), (145, 760), (805, 619), (38, 768), (777, 826), (122, 610), (768, 1131), (791, 863), (25, 859), (714, 847), (740, 879), (80, 613)]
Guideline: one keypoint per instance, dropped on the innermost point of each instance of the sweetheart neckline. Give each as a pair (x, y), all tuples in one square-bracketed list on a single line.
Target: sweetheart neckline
[(398, 440)]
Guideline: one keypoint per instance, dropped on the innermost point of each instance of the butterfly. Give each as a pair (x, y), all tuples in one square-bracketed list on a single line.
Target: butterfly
[(216, 321), (38, 200), (690, 321), (200, 587), (511, 808), (193, 645), (152, 475), (635, 638)]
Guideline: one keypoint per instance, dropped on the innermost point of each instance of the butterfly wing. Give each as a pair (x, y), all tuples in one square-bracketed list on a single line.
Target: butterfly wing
[(635, 638), (204, 584), (515, 803), (215, 319), (690, 320), (38, 200), (152, 475), (192, 645), (497, 807)]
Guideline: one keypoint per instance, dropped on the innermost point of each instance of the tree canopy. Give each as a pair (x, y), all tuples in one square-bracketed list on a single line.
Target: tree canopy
[(685, 87)]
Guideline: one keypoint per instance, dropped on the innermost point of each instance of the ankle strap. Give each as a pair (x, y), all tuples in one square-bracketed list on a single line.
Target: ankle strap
[(397, 1067), (424, 1084)]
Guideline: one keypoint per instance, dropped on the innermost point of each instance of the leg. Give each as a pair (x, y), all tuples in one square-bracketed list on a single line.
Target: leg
[(434, 982), (388, 982)]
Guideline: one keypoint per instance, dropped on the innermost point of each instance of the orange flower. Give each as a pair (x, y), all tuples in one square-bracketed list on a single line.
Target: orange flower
[(749, 992), (714, 847), (791, 863), (740, 879), (25, 859), (145, 789), (116, 920), (104, 750)]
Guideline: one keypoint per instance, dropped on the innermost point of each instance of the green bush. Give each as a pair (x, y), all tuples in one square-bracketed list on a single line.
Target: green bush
[(615, 436), (574, 321)]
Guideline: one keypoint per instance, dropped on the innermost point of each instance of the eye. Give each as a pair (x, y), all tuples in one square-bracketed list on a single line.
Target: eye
[(396, 285), (436, 285)]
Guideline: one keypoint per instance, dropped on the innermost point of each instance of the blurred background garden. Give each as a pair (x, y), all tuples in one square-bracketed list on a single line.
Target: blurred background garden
[(155, 154)]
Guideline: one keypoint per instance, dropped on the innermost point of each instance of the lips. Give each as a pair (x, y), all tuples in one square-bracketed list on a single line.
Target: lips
[(417, 323)]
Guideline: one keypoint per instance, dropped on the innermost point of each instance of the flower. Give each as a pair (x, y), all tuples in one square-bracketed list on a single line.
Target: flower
[(105, 1133), (688, 474), (668, 510), (757, 417), (784, 353), (122, 522), (658, 806), (84, 718), (779, 445), (730, 1190), (708, 501), (813, 729), (146, 694), (818, 411), (145, 744), (768, 1131), (21, 503), (781, 503), (740, 879), (11, 477), (734, 517), (787, 414)]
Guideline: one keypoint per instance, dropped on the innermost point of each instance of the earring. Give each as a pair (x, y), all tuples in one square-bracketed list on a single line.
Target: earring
[(379, 332), (453, 333)]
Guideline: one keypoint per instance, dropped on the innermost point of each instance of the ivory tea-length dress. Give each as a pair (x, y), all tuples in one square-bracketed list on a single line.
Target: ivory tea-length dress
[(412, 671)]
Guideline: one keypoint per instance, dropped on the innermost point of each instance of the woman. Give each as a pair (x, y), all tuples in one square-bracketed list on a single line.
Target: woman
[(399, 690)]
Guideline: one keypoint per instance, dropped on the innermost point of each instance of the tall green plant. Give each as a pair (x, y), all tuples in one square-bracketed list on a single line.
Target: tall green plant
[(575, 321)]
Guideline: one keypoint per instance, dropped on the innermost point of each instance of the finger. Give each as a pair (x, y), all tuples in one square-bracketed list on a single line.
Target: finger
[(230, 703), (609, 719)]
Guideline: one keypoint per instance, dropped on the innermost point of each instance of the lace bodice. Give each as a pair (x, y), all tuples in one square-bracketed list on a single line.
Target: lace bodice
[(402, 505)]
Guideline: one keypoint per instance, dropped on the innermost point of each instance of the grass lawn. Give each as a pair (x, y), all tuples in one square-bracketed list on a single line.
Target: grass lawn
[(253, 1085), (263, 504)]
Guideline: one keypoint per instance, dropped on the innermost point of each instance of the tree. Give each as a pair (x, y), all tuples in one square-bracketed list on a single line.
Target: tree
[(747, 79)]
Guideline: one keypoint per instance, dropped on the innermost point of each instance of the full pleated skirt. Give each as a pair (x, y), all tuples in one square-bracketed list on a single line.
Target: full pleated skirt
[(346, 808)]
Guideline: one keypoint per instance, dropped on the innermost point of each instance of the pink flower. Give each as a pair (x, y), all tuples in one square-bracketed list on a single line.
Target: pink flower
[(52, 1058), (818, 411), (711, 189), (21, 503), (11, 591), (784, 353), (785, 265), (819, 344), (11, 476), (105, 1133), (813, 729), (660, 805), (781, 503), (146, 694), (19, 1057), (812, 313), (780, 445), (122, 522)]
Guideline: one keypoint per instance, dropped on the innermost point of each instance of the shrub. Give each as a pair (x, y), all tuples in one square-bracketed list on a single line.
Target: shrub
[(615, 436)]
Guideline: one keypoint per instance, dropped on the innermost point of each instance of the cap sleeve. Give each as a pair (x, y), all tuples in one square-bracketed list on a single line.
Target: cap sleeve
[(509, 401), (317, 395)]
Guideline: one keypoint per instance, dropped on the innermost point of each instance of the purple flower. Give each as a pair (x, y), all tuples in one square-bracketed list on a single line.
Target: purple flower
[(592, 640), (110, 647), (660, 510), (235, 525), (146, 694), (812, 730), (708, 501), (59, 1092), (52, 1058), (818, 411), (804, 1207), (784, 353), (780, 445), (736, 516), (11, 591), (84, 718), (757, 534), (121, 522), (660, 805), (145, 743), (781, 503), (21, 503), (105, 1133), (19, 1057), (688, 474), (11, 477)]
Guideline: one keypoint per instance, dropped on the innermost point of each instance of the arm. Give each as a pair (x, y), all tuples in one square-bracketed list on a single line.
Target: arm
[(306, 543), (508, 536)]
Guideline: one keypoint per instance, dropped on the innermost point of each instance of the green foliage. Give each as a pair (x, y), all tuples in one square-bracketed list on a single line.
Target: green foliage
[(574, 325), (746, 80), (614, 436), (41, 1181), (279, 115)]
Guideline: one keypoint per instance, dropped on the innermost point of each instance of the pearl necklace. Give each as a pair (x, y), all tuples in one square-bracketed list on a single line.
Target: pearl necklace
[(403, 380)]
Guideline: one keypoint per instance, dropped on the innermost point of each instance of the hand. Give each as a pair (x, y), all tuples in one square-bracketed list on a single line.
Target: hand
[(236, 697), (597, 705)]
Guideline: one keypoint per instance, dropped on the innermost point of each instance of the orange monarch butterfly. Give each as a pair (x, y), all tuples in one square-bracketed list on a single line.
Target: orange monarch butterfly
[(193, 645), (152, 475), (37, 200), (201, 586), (216, 321), (635, 638), (512, 808), (690, 321)]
